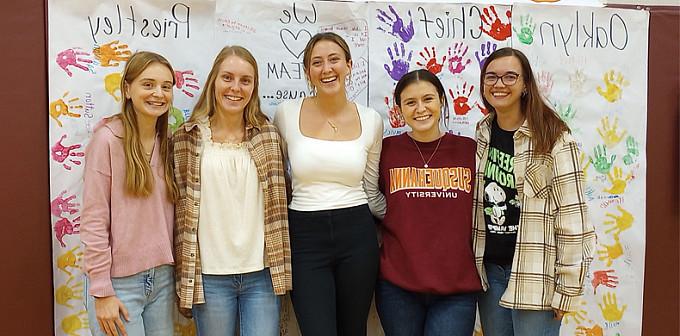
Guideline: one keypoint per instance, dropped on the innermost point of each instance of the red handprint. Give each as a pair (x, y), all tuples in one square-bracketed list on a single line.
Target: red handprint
[(61, 205), (60, 153), (431, 65), (457, 62), (396, 119), (65, 227), (185, 81), (604, 278), (72, 57), (461, 98), (493, 26)]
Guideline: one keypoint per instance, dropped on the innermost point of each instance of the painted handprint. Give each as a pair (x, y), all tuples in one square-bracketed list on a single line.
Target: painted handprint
[(70, 259), (619, 223), (482, 109), (112, 53), (526, 31), (64, 226), (176, 118), (493, 26), (603, 278), (610, 308), (72, 323), (396, 118), (64, 107), (600, 162), (60, 153), (613, 86), (186, 82), (609, 133), (69, 291), (400, 65), (457, 60), (566, 111), (545, 83), (431, 58), (595, 330), (461, 98), (61, 204), (619, 183), (73, 57), (484, 51), (395, 25), (610, 252), (579, 316), (112, 85), (577, 82), (632, 151), (185, 329)]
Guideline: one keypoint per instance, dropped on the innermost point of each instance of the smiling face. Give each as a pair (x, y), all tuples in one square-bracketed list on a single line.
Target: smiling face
[(151, 91), (234, 85), (421, 107), (328, 67), (505, 98)]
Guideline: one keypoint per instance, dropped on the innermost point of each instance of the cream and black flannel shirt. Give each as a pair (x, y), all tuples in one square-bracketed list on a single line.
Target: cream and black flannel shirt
[(266, 147), (555, 239)]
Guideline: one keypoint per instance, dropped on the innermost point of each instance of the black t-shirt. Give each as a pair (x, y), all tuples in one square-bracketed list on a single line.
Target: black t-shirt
[(501, 206)]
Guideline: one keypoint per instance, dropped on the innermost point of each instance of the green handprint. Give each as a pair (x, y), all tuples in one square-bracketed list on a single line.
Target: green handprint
[(526, 31), (567, 113), (176, 118), (600, 162), (633, 151)]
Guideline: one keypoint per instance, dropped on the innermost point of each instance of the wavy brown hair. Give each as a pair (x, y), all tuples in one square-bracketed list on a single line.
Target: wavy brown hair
[(327, 36), (546, 126), (139, 178)]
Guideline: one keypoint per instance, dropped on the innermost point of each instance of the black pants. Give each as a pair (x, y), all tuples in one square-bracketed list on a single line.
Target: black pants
[(335, 265)]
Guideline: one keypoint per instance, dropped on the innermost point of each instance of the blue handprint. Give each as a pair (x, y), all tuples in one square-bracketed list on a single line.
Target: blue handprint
[(400, 65), (396, 25), (484, 51)]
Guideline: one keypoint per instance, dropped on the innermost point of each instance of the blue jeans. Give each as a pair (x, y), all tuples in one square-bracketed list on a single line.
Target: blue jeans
[(246, 301), (149, 297), (501, 321), (406, 313)]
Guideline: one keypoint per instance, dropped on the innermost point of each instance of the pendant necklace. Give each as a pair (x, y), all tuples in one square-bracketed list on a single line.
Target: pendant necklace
[(426, 163)]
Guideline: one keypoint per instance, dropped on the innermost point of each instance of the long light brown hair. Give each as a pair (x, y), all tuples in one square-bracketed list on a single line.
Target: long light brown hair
[(544, 123), (327, 36), (139, 178), (207, 104)]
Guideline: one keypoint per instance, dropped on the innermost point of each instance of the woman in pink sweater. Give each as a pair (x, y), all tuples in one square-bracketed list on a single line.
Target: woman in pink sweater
[(127, 218)]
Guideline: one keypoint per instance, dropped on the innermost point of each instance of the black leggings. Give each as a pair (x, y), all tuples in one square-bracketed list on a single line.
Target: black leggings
[(335, 264)]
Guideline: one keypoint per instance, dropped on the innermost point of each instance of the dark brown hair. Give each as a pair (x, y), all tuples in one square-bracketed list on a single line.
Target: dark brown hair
[(425, 76)]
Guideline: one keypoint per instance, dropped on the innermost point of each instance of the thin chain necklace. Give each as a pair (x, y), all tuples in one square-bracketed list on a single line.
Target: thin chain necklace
[(426, 163)]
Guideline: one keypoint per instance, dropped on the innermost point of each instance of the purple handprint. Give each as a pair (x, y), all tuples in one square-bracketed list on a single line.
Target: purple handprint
[(60, 153), (399, 66), (61, 205), (457, 61), (71, 57), (484, 51), (396, 24), (65, 227)]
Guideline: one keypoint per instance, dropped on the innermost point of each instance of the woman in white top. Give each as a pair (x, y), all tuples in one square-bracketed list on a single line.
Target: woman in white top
[(334, 148)]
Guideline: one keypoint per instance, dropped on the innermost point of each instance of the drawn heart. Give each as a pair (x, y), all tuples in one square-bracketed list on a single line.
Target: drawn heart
[(295, 43)]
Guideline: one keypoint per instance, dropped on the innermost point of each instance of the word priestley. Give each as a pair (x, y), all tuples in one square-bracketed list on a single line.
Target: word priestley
[(165, 27)]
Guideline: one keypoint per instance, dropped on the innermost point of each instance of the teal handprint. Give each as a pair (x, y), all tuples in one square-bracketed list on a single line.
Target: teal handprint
[(526, 31), (566, 112), (601, 164), (632, 149)]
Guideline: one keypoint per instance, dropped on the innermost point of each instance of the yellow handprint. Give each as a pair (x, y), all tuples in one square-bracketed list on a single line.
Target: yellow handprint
[(610, 309), (584, 163), (614, 82), (187, 329), (72, 323), (67, 292), (111, 53), (618, 182), (619, 223), (69, 259), (611, 252), (112, 85), (577, 316), (60, 108), (595, 330), (608, 134)]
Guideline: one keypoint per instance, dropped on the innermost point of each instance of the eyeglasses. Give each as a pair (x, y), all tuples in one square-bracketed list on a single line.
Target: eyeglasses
[(508, 79)]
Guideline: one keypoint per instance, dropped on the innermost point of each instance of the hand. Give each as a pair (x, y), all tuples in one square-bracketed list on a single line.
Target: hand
[(619, 223), (110, 54), (610, 309), (61, 205), (400, 65), (601, 164), (484, 51), (63, 227), (603, 277), (457, 61), (395, 26), (73, 58), (596, 330), (109, 309), (186, 312), (60, 153), (460, 99), (112, 85), (614, 83), (609, 134), (185, 81), (559, 314), (431, 65), (69, 291), (545, 83), (60, 108), (395, 117), (493, 26), (526, 31), (610, 252), (619, 183), (632, 151)]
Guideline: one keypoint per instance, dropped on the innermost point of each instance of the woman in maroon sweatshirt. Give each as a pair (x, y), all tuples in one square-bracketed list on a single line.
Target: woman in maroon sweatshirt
[(428, 282)]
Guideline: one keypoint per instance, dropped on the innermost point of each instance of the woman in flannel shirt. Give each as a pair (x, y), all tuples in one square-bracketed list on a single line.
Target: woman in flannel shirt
[(531, 235), (232, 246)]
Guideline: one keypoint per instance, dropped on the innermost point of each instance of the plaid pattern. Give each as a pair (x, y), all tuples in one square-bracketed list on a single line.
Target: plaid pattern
[(266, 148), (555, 239)]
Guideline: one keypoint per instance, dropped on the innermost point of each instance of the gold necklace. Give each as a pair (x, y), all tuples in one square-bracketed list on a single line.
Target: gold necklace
[(426, 163)]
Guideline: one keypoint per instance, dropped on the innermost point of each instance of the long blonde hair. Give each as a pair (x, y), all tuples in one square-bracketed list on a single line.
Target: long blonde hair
[(206, 104), (139, 179)]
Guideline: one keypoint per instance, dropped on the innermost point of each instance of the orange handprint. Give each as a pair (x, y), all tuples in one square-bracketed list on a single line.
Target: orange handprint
[(604, 278), (72, 323), (578, 316), (395, 117), (609, 134), (493, 26), (112, 85), (70, 259), (618, 182), (610, 252), (68, 291), (595, 330), (610, 308), (619, 223), (60, 108), (110, 54)]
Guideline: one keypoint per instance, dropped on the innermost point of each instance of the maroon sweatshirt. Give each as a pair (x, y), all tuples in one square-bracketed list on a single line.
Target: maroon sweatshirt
[(427, 228)]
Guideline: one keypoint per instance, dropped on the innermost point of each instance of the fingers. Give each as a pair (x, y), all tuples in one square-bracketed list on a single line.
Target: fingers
[(121, 327)]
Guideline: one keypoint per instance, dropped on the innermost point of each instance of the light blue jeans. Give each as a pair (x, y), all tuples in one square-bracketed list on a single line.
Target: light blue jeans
[(149, 297), (501, 321), (246, 301)]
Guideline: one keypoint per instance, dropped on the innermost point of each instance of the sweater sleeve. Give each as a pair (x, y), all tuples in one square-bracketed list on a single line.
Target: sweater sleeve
[(96, 214), (376, 200)]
